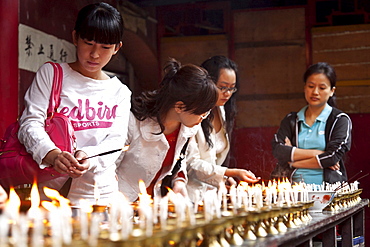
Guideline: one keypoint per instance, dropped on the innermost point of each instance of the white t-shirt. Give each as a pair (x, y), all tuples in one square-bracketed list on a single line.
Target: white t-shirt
[(99, 112)]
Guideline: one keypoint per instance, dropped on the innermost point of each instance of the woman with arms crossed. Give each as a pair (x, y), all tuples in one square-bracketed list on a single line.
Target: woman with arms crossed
[(310, 145)]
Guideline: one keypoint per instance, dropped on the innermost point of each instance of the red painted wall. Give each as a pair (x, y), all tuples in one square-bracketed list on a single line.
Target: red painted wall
[(8, 63)]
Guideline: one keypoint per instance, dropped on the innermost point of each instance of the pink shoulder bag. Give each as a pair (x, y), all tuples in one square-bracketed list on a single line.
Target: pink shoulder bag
[(17, 167)]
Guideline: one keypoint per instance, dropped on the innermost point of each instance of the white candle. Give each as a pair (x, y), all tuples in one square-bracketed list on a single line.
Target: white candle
[(223, 193), (85, 210), (280, 200), (149, 221), (62, 216), (239, 192), (145, 211), (4, 229), (250, 197), (245, 200), (113, 218), (217, 207), (65, 213), (196, 202), (84, 225), (191, 214), (268, 196), (163, 212), (156, 200), (295, 196), (207, 206), (19, 231), (176, 200), (55, 220), (233, 197), (127, 213), (96, 193), (287, 197), (94, 229), (36, 216), (259, 199)]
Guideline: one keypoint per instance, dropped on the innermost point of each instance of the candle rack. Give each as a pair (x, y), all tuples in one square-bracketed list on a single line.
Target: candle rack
[(219, 226)]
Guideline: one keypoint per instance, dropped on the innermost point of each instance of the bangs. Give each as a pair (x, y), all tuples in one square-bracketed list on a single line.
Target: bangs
[(203, 104), (102, 28), (204, 100)]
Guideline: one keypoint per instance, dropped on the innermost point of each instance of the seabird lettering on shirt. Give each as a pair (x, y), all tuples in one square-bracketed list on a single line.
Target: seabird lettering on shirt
[(95, 116)]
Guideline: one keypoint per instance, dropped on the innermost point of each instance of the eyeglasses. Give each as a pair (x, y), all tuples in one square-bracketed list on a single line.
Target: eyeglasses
[(205, 115), (228, 89)]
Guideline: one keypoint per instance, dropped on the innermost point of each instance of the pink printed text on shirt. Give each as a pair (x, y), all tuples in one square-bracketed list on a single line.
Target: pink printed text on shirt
[(85, 116)]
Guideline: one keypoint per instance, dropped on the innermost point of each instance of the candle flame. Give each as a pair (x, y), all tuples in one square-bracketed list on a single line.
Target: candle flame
[(55, 196), (171, 242), (171, 195), (269, 184), (243, 184), (14, 202), (142, 187), (51, 193), (35, 196), (144, 197), (48, 205), (86, 206)]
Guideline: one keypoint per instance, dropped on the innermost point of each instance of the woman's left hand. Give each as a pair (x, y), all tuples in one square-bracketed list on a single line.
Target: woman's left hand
[(179, 186), (242, 174), (335, 167), (81, 167), (288, 142)]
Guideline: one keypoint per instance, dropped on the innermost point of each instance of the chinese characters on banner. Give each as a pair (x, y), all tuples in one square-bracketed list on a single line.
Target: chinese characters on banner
[(36, 47)]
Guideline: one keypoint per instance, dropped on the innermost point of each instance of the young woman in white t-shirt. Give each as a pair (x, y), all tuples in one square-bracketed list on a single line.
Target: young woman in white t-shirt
[(97, 105)]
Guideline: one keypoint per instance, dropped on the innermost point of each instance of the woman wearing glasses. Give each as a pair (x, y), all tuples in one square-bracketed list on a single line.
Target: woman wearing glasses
[(160, 125), (209, 167)]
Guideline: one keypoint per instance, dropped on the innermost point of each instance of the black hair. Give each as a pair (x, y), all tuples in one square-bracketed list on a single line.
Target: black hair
[(188, 83), (99, 22), (214, 65), (327, 70)]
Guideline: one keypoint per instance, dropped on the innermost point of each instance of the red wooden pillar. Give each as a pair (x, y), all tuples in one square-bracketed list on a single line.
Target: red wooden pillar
[(8, 63)]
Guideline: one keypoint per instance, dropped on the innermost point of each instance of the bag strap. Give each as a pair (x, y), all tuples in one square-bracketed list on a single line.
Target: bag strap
[(54, 101), (167, 180), (183, 150), (177, 166)]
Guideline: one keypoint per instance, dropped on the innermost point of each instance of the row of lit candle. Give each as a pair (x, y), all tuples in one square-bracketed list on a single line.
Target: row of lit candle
[(54, 218)]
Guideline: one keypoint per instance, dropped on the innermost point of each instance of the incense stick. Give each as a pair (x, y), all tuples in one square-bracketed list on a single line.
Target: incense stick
[(345, 183), (125, 148), (352, 178)]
